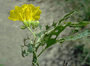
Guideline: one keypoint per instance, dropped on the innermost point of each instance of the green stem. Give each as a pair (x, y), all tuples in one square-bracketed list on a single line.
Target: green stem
[(35, 61), (31, 32), (41, 37), (35, 36), (41, 52), (44, 34)]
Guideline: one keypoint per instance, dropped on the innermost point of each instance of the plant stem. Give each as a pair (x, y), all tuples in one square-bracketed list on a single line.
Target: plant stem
[(31, 32), (41, 52), (44, 34), (35, 61), (35, 36)]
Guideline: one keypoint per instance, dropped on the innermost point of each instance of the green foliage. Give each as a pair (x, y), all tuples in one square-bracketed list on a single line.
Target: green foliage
[(30, 48), (67, 16), (40, 33), (40, 27), (78, 36), (23, 27), (50, 41), (50, 37), (24, 53)]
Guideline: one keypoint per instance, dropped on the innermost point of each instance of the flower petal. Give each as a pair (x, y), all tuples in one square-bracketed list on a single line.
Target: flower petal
[(25, 12), (13, 16)]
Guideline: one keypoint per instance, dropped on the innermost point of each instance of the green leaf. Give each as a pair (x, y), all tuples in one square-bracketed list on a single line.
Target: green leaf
[(81, 35), (39, 34), (51, 40), (54, 24), (40, 26), (80, 24), (24, 53), (66, 16), (48, 39), (30, 48), (47, 27)]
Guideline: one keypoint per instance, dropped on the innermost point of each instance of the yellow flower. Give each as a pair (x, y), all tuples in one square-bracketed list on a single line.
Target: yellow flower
[(25, 13)]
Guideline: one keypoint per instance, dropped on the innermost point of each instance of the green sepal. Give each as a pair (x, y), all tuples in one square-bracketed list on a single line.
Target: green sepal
[(23, 27)]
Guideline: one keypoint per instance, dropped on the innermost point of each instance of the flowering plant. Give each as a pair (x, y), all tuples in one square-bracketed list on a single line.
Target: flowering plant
[(29, 15)]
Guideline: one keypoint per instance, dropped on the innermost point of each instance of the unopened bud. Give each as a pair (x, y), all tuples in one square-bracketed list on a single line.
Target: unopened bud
[(29, 23), (23, 27), (25, 23), (35, 24)]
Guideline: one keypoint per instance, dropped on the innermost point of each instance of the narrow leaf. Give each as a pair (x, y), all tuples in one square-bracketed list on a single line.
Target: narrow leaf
[(81, 35), (66, 16)]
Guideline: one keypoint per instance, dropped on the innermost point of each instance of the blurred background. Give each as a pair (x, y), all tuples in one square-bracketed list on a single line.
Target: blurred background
[(75, 53)]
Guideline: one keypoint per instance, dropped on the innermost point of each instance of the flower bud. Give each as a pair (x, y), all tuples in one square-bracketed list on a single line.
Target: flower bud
[(35, 24), (23, 27), (25, 23), (29, 23)]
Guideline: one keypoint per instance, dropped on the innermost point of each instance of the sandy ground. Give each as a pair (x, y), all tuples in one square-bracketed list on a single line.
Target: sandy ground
[(11, 36)]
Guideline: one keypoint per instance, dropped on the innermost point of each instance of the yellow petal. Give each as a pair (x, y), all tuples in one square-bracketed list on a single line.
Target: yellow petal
[(25, 12), (23, 7), (13, 16), (17, 10), (38, 12), (36, 17)]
